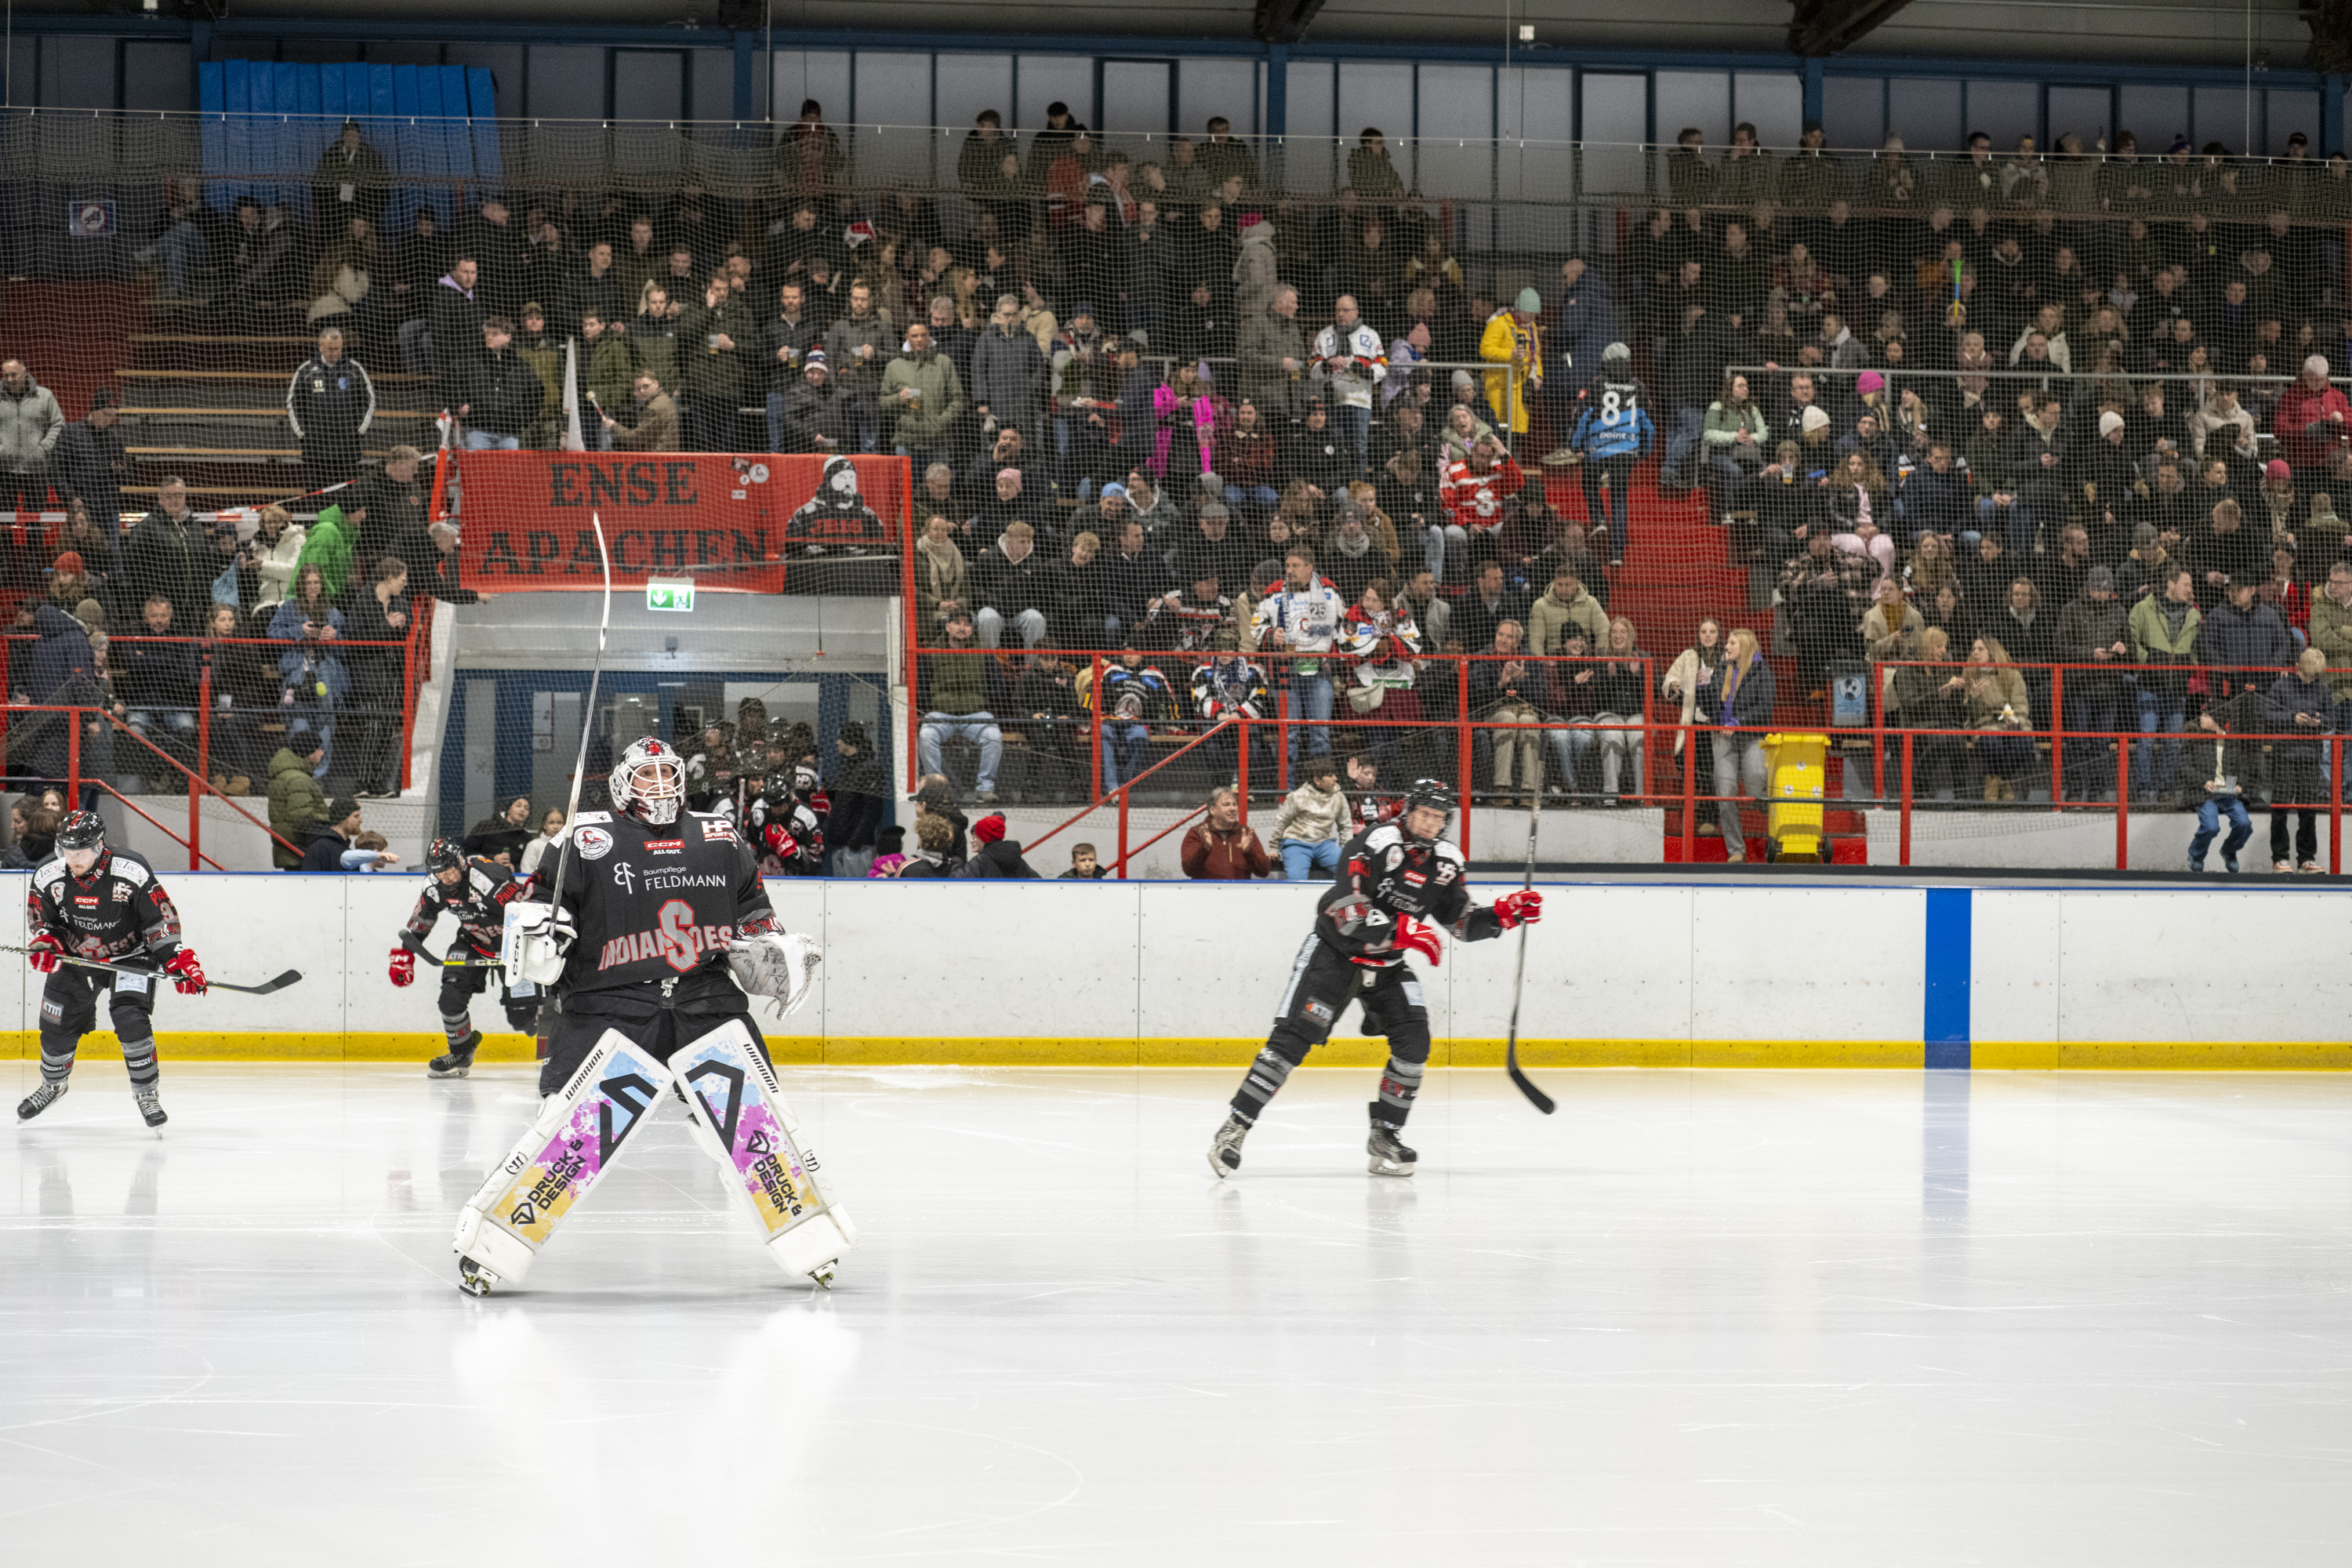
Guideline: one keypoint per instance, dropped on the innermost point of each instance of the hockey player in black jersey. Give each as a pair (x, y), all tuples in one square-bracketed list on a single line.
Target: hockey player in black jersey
[(1397, 881), (473, 892), (104, 904), (788, 824), (650, 925)]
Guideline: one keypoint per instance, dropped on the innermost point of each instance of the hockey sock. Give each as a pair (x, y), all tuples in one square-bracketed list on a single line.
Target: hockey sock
[(1399, 1084), (56, 1069), (460, 1027), (1264, 1080), (139, 1056)]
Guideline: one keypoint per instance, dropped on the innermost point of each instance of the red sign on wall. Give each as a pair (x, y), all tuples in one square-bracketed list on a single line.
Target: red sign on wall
[(729, 521)]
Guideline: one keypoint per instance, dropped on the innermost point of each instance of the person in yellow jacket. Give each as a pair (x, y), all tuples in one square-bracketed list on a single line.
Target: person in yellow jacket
[(1512, 338)]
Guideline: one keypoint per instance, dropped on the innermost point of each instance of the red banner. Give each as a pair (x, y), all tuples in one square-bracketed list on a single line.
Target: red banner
[(729, 521)]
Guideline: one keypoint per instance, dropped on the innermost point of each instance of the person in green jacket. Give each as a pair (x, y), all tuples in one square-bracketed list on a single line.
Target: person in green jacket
[(609, 367), (297, 805), (716, 342), (2163, 631), (328, 546), (923, 398)]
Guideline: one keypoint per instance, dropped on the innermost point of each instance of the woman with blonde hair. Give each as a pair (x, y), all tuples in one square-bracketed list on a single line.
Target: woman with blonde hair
[(1385, 544), (1998, 704), (940, 576), (1737, 697)]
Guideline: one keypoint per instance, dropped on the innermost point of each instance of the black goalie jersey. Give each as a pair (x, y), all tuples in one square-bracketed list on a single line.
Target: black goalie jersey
[(649, 902), (477, 904), (1385, 873), (119, 911)]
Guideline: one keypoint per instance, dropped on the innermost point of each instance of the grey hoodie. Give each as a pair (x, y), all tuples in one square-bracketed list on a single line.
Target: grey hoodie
[(29, 427)]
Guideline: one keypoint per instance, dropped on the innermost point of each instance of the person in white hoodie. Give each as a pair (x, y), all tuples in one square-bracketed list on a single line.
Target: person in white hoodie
[(1312, 823), (275, 547)]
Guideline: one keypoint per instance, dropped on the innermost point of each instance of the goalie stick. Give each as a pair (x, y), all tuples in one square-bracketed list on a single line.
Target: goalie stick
[(264, 989), (1535, 1097)]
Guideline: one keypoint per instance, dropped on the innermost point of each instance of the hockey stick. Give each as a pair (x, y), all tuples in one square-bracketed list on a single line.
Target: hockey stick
[(587, 720), (1535, 1097), (264, 989)]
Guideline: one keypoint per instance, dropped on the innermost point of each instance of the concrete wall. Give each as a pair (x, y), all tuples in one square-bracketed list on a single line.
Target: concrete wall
[(1718, 973)]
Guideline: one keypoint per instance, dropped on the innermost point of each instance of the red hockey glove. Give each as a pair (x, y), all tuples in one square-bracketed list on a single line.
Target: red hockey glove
[(404, 967), (780, 843), (1519, 908), (187, 975), (1417, 936), (45, 951)]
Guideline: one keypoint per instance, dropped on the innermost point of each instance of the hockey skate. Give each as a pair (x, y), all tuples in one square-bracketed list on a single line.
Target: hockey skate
[(1389, 1157), (457, 1063), (473, 1279), (1225, 1148), (150, 1101), (40, 1099)]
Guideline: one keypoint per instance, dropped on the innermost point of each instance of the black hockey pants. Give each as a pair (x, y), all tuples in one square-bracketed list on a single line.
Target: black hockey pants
[(1322, 983)]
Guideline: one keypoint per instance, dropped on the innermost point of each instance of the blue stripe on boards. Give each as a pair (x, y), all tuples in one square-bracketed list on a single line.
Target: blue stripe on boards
[(1944, 1022)]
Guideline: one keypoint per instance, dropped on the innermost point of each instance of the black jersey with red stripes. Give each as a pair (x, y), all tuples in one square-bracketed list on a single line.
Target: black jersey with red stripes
[(477, 903), (655, 905), (120, 910), (1386, 874)]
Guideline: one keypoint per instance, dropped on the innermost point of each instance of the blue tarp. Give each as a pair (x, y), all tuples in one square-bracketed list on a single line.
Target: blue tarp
[(266, 122)]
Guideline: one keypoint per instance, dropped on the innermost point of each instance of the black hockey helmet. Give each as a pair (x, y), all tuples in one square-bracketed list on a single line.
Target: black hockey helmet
[(81, 830), (447, 854), (1435, 793)]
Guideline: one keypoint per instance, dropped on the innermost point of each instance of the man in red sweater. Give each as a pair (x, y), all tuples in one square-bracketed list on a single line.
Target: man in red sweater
[(2312, 422), (1221, 849), (1472, 491)]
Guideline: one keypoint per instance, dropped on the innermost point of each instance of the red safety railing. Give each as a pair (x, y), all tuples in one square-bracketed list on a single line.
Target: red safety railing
[(77, 781), (1893, 776)]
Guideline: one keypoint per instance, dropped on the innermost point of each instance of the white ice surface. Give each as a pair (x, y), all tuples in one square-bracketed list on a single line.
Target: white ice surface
[(1697, 1316)]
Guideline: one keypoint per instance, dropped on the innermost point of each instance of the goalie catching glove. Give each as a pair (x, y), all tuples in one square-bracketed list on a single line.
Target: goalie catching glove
[(779, 964)]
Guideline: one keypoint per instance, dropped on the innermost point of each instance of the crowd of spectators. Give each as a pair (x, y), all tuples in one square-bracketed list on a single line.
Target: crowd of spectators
[(1183, 440)]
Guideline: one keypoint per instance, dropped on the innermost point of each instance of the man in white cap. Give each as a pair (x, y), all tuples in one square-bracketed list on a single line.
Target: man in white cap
[(1513, 344), (2310, 423)]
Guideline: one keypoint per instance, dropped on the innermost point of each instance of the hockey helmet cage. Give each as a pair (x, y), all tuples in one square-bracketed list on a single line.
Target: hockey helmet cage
[(81, 830), (447, 854), (648, 782)]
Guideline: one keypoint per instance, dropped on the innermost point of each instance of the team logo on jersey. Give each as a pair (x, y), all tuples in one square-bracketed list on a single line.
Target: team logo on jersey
[(595, 843), (676, 940), (666, 845), (624, 877), (1396, 856)]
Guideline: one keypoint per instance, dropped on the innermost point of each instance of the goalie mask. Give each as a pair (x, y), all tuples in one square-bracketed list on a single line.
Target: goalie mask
[(649, 782)]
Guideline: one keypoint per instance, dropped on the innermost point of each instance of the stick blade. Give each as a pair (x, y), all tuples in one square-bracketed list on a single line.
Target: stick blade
[(265, 988), (1535, 1097)]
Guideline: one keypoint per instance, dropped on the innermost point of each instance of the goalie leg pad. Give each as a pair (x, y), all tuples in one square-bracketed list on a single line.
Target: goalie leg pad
[(575, 1137), (733, 1092)]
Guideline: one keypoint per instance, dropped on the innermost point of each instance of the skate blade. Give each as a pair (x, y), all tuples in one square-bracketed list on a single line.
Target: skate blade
[(474, 1279), (1379, 1167), (432, 1071), (1218, 1165), (823, 1274)]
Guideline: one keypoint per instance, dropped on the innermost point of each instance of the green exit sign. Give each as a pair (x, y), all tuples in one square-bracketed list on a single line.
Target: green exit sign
[(669, 593)]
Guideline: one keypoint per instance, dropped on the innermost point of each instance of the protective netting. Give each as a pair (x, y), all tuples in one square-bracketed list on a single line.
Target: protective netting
[(1844, 401)]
